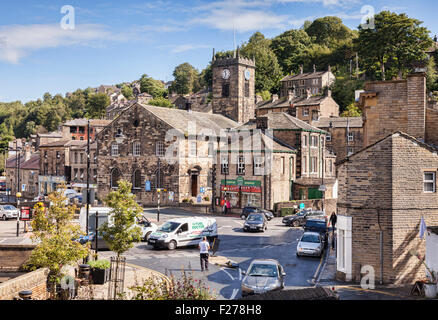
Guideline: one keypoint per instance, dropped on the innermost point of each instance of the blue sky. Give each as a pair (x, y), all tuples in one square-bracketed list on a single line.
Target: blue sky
[(117, 41)]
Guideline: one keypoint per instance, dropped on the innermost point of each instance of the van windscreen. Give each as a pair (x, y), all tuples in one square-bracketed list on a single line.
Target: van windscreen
[(169, 226)]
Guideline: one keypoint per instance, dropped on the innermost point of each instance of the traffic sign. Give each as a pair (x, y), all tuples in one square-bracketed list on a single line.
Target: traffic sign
[(147, 185), (199, 199), (202, 190)]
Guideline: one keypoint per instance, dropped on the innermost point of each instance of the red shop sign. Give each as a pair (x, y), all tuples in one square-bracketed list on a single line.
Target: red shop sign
[(251, 189), (230, 188)]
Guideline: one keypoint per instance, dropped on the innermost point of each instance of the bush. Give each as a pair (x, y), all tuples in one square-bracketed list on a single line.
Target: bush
[(99, 264), (287, 211), (185, 288)]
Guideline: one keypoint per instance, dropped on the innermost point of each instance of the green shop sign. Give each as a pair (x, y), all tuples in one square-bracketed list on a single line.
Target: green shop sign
[(241, 182)]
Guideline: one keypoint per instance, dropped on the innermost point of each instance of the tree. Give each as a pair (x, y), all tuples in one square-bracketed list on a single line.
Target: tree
[(127, 92), (266, 95), (161, 102), (329, 31), (393, 47), (186, 79), (431, 75), (289, 48), (351, 111), (268, 74), (96, 105), (343, 91), (54, 232), (206, 77), (154, 87)]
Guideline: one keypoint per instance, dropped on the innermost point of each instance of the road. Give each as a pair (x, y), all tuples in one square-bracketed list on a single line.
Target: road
[(278, 242)]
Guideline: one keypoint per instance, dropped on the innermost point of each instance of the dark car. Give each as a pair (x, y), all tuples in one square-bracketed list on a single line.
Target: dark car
[(255, 222), (318, 225), (300, 218), (246, 211), (2, 186)]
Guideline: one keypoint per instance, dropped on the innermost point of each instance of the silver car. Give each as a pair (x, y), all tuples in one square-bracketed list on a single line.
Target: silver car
[(310, 244), (263, 276), (8, 212)]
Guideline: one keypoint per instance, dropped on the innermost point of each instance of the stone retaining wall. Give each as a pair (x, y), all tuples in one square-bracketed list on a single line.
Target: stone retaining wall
[(34, 281)]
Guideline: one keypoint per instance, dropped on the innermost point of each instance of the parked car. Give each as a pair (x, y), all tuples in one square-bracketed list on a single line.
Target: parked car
[(2, 186), (8, 212), (246, 211), (255, 222), (147, 228), (263, 275), (299, 219), (318, 225), (310, 244)]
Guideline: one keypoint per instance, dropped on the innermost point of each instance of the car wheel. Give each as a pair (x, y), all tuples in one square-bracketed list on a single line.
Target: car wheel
[(298, 255), (4, 217), (266, 228), (146, 237), (296, 223), (171, 245), (243, 217)]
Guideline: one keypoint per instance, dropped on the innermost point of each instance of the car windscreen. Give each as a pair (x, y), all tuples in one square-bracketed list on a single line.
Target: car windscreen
[(316, 224), (312, 238), (255, 217), (9, 208), (263, 270), (169, 226)]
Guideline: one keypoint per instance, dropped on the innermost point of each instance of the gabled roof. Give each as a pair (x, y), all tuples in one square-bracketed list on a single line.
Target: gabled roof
[(281, 120), (180, 119), (297, 102), (429, 147), (33, 163), (303, 76), (339, 122), (63, 143)]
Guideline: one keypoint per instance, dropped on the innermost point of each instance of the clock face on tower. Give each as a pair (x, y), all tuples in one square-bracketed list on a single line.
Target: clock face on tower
[(226, 74), (247, 74)]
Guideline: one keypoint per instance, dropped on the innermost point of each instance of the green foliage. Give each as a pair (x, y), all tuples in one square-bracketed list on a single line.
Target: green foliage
[(120, 231), (187, 79), (54, 232), (287, 211), (269, 73), (161, 102), (154, 87), (206, 77), (96, 105), (343, 91), (127, 92), (328, 31), (432, 75), (352, 110), (99, 264), (393, 47), (266, 95), (186, 288)]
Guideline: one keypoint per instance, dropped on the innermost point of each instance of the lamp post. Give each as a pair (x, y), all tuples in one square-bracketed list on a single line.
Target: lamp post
[(17, 194), (158, 189), (88, 175)]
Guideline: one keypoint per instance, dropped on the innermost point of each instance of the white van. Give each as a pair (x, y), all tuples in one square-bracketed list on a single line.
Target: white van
[(183, 232), (147, 227)]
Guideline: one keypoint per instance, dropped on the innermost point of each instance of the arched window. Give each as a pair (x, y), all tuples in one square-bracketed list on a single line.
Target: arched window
[(115, 177), (114, 149), (158, 181), (136, 179), (136, 148)]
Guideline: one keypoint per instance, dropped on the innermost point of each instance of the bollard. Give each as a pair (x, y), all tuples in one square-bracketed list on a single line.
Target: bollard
[(25, 295), (84, 272)]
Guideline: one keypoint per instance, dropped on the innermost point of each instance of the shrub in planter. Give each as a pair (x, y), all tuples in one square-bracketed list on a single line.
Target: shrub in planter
[(99, 271)]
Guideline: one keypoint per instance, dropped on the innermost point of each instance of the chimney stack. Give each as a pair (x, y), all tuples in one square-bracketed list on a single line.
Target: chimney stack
[(301, 69), (308, 93), (329, 68), (314, 68), (274, 97), (290, 95)]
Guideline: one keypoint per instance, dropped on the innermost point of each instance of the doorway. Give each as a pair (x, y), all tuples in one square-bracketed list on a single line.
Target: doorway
[(194, 183)]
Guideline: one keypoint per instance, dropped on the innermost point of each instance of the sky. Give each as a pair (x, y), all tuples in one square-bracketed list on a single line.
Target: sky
[(60, 46)]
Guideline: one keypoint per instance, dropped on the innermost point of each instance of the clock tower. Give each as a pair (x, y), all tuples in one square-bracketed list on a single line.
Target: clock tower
[(234, 88)]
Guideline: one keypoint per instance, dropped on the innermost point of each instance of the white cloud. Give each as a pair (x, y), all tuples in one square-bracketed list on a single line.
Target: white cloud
[(18, 41), (325, 3)]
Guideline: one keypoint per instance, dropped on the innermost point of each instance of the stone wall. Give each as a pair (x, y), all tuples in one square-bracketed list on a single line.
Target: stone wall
[(34, 281), (432, 126), (328, 205), (12, 257), (339, 143)]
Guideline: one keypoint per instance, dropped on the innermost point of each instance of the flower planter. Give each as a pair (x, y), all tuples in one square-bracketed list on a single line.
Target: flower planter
[(99, 276), (430, 290)]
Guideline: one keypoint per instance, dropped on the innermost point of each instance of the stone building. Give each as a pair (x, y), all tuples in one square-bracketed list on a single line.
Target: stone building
[(78, 165), (344, 134), (385, 189), (55, 165), (307, 83), (181, 165), (315, 165), (234, 88), (77, 129), (29, 172), (308, 108), (253, 170)]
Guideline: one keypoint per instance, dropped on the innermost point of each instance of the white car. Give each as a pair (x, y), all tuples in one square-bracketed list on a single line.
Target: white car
[(147, 228), (8, 212)]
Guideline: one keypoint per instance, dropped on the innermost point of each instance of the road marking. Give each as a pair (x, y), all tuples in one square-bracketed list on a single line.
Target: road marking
[(232, 278), (317, 270), (368, 290), (235, 292)]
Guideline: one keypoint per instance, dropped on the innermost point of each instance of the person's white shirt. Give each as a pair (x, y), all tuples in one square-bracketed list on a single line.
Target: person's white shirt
[(204, 247)]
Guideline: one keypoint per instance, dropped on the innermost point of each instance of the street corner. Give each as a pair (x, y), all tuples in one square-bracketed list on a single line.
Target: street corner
[(146, 272)]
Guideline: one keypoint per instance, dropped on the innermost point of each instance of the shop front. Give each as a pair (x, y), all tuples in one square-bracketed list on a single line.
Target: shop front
[(242, 193)]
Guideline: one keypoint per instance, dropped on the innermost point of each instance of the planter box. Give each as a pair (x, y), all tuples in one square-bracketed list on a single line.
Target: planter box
[(99, 276)]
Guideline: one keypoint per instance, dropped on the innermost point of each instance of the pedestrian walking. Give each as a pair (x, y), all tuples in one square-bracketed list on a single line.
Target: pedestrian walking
[(224, 206), (228, 206), (333, 219), (204, 247)]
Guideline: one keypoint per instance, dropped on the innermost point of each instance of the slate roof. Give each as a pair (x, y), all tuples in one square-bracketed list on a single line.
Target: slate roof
[(63, 143), (84, 122), (179, 119), (339, 122), (33, 163), (297, 102), (303, 76), (281, 120), (267, 143)]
